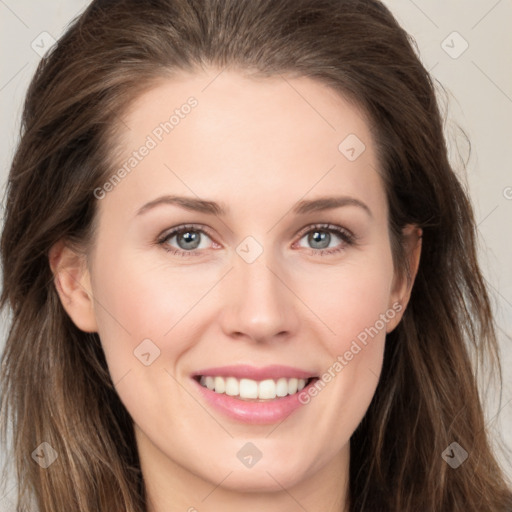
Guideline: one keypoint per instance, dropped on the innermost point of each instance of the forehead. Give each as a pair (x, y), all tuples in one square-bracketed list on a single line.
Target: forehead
[(254, 139)]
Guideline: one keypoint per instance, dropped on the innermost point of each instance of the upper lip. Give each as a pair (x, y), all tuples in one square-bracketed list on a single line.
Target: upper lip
[(251, 372)]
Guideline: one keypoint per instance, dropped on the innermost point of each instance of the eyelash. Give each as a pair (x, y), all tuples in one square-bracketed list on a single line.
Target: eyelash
[(345, 235)]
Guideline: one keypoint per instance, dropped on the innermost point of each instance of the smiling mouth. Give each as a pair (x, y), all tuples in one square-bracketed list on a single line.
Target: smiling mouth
[(254, 391)]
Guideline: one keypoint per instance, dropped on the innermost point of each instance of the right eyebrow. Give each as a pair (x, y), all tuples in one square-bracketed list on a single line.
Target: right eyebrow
[(188, 203)]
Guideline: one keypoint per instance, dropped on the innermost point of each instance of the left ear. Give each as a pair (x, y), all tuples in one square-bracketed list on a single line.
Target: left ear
[(403, 281)]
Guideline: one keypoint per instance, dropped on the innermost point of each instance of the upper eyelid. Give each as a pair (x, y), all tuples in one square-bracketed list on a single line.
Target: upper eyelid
[(324, 226), (170, 233)]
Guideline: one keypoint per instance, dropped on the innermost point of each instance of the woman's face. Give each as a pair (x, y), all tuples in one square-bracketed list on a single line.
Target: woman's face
[(266, 171)]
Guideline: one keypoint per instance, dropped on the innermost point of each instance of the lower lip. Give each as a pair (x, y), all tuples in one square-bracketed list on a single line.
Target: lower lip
[(262, 413)]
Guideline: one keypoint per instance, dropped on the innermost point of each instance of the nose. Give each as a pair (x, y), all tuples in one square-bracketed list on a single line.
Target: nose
[(257, 304)]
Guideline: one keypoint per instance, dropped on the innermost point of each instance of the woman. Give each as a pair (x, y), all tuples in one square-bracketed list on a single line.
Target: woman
[(179, 341)]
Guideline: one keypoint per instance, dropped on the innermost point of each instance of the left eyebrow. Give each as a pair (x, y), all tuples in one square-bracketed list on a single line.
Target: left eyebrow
[(329, 203)]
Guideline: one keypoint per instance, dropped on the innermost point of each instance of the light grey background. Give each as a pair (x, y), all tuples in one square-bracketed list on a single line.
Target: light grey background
[(479, 83)]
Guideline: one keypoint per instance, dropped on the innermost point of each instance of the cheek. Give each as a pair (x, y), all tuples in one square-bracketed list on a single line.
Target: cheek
[(352, 300), (139, 300), (355, 307)]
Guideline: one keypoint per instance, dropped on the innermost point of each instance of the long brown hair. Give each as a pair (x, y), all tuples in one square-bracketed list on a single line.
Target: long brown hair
[(55, 384)]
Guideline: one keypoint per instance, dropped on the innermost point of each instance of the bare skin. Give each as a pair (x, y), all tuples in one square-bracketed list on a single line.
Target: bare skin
[(257, 147)]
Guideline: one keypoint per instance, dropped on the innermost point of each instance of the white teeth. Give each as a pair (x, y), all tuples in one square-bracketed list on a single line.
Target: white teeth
[(232, 386), (267, 389), (220, 384), (282, 387), (248, 388), (210, 382)]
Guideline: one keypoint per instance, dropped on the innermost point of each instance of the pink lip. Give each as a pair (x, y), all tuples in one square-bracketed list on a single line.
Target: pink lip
[(265, 412), (251, 372), (260, 413)]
